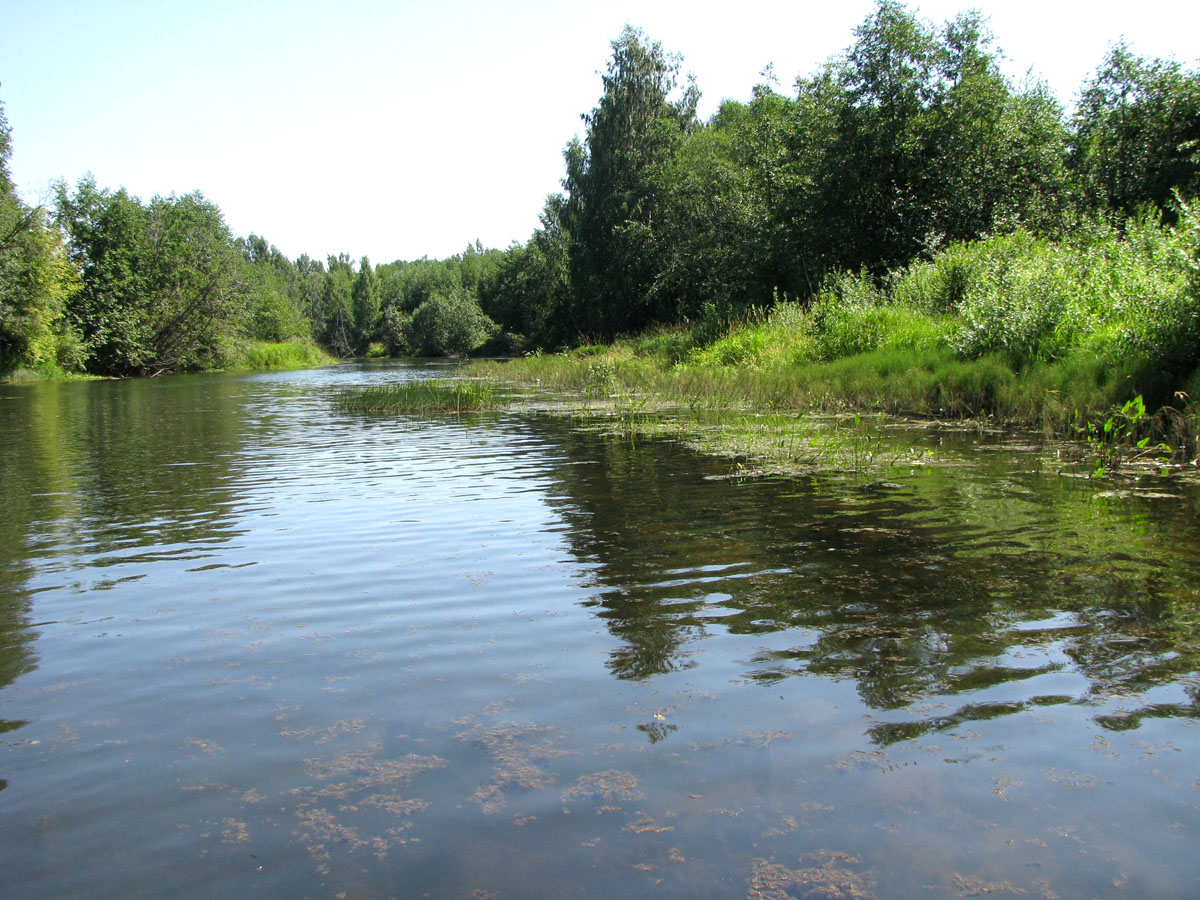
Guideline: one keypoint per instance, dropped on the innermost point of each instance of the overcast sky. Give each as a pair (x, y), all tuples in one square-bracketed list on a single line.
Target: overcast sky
[(409, 129)]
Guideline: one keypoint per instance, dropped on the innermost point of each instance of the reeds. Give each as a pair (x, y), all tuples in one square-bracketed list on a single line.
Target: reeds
[(420, 397)]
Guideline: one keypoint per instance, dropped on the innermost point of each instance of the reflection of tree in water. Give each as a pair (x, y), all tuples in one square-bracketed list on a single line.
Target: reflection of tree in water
[(106, 468), (637, 522), (156, 466), (959, 583)]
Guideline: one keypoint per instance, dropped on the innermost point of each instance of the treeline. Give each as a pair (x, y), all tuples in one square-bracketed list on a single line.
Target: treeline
[(909, 142), (908, 146), (111, 285)]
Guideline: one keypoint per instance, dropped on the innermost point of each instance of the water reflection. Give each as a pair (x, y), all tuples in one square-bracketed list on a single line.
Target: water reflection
[(107, 477), (980, 590), (394, 656)]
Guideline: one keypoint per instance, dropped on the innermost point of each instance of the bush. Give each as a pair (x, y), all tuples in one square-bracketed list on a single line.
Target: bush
[(448, 324), (940, 285), (1122, 297), (669, 344)]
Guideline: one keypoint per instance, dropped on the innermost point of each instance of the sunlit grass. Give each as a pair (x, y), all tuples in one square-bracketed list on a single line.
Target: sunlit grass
[(284, 355), (23, 375), (758, 410)]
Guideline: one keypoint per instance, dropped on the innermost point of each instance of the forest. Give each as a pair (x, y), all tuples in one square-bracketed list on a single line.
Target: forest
[(905, 196)]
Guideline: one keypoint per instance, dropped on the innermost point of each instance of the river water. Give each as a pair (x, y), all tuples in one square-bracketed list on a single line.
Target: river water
[(254, 646)]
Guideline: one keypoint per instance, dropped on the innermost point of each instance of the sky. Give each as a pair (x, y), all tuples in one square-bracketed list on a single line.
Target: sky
[(402, 129)]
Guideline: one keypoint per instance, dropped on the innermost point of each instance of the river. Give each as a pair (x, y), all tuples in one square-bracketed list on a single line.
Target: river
[(254, 646)]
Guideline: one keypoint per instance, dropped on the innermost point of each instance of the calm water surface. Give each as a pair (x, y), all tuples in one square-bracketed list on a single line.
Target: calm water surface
[(252, 646)]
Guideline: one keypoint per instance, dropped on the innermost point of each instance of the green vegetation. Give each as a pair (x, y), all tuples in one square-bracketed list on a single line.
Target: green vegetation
[(265, 355), (420, 397), (902, 229), (1078, 337)]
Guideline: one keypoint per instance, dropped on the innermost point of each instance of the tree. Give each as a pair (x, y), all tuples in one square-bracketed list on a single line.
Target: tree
[(613, 199), (160, 287), (914, 138), (337, 307), (448, 324), (365, 300), (276, 289), (35, 280), (532, 284), (106, 235), (711, 232), (1136, 135)]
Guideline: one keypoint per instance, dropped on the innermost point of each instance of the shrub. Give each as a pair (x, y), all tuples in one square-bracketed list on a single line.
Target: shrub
[(447, 324)]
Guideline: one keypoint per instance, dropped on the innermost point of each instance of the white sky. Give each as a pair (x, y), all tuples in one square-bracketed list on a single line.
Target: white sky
[(404, 129)]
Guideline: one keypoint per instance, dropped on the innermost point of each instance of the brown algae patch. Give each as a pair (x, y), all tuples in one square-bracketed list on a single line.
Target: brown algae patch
[(359, 803), (519, 752), (643, 824), (328, 733), (824, 879), (234, 832), (604, 787)]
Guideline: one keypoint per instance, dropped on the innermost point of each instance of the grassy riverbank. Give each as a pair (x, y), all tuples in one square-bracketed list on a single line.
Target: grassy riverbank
[(1093, 338), (253, 356), (856, 412)]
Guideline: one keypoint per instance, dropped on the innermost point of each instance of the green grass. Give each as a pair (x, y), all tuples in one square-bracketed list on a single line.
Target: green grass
[(420, 397), (264, 355), (1014, 330), (50, 372)]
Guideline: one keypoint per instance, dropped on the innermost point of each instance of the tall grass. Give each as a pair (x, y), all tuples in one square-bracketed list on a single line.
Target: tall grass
[(287, 355)]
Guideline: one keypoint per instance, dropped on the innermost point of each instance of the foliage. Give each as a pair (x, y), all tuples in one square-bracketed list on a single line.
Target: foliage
[(913, 138), (336, 309), (447, 325), (530, 291), (1136, 134), (364, 296), (160, 287), (276, 288), (1125, 300), (613, 197), (36, 280)]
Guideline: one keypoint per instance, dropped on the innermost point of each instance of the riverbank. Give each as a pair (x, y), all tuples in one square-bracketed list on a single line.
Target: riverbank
[(753, 397), (254, 356), (1091, 338)]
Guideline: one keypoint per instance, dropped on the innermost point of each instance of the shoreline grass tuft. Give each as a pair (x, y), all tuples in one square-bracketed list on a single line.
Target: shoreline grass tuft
[(421, 397), (263, 355)]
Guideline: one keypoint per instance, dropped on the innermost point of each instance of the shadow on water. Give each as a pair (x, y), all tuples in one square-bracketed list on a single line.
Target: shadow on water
[(991, 587)]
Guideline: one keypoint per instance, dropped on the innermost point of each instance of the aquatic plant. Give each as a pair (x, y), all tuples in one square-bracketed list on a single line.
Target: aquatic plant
[(420, 396), (1123, 439)]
